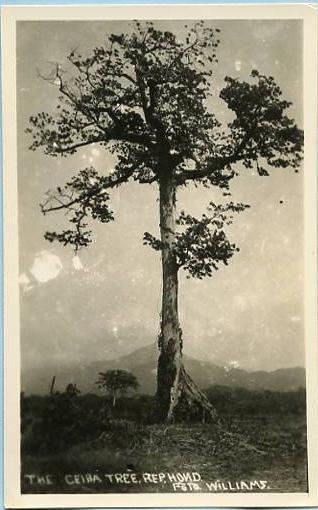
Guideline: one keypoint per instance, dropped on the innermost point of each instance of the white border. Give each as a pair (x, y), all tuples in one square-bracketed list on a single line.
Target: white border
[(10, 14)]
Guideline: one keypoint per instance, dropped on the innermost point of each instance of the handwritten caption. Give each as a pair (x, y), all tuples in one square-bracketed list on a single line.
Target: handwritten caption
[(177, 482)]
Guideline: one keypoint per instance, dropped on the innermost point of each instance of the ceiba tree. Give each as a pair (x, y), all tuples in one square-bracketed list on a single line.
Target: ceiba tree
[(146, 97)]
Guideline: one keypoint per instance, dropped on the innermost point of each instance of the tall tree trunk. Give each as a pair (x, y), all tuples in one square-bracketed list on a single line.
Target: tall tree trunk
[(172, 380), (170, 342)]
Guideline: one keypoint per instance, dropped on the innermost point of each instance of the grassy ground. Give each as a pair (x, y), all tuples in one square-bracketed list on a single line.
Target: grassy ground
[(253, 448)]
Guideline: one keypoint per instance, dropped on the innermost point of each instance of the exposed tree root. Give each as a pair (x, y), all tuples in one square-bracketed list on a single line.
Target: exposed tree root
[(186, 394)]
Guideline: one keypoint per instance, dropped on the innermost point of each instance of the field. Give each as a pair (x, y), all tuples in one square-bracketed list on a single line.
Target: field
[(253, 451)]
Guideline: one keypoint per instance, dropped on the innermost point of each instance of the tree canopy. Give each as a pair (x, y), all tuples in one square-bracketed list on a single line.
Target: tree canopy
[(117, 382), (145, 96)]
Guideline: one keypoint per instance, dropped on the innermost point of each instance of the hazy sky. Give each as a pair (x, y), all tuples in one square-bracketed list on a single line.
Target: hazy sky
[(106, 300)]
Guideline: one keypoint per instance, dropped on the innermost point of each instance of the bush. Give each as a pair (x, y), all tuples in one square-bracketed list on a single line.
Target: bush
[(238, 401), (56, 422)]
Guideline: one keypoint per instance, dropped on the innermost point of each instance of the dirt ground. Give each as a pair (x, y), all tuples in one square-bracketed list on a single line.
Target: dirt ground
[(250, 454)]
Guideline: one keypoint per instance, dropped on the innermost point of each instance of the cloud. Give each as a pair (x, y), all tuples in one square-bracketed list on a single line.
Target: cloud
[(46, 266), (25, 282), (95, 152), (238, 65), (77, 264)]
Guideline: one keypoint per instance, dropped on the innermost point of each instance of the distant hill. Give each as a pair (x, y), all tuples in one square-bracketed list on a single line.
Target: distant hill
[(143, 362)]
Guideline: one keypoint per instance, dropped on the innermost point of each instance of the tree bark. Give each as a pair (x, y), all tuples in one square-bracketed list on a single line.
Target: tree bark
[(170, 341), (173, 383)]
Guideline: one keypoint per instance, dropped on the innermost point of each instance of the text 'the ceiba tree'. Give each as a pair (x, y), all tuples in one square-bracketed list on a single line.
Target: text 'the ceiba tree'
[(146, 97)]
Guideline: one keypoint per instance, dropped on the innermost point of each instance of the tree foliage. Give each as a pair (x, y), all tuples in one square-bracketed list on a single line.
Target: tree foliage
[(202, 244), (86, 196), (146, 97), (117, 382)]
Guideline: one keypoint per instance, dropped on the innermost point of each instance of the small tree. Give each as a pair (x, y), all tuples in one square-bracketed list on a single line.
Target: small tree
[(117, 382)]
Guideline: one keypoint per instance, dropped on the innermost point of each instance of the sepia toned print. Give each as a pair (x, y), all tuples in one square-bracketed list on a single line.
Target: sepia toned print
[(162, 223)]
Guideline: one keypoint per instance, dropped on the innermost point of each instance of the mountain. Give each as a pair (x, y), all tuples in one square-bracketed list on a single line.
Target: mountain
[(142, 362)]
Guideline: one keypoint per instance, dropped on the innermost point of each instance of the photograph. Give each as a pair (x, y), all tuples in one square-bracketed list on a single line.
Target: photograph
[(162, 296)]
